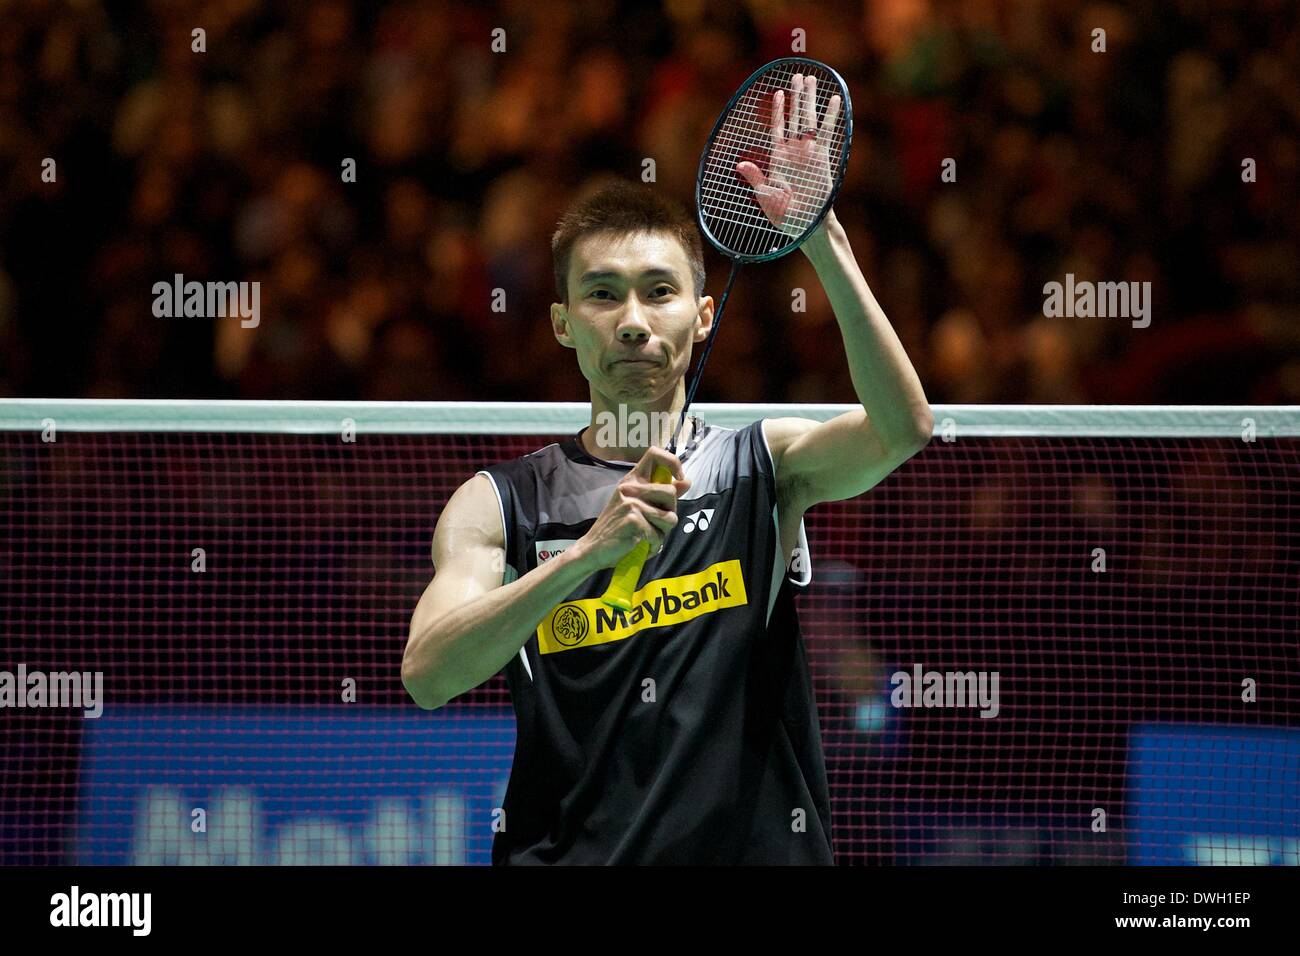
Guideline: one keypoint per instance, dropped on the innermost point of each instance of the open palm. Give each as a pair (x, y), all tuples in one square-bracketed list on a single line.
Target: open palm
[(799, 178)]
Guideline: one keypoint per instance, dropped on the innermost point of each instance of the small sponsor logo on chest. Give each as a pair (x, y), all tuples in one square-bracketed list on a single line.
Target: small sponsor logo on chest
[(696, 522), (699, 521), (551, 547)]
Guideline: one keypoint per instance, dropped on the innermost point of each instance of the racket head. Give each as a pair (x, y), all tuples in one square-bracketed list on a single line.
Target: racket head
[(726, 205)]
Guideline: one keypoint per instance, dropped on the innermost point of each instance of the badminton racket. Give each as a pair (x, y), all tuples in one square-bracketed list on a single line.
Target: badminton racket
[(767, 177)]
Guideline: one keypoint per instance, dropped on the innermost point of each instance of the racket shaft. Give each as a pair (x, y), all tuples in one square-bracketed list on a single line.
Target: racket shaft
[(627, 573)]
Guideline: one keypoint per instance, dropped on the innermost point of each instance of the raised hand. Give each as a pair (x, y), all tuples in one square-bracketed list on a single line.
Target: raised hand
[(799, 174)]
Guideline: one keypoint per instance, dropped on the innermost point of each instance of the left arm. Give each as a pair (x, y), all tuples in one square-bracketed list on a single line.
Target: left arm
[(830, 461), (843, 457)]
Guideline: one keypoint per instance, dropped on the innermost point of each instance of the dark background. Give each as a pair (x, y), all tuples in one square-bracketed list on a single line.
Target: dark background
[(225, 165)]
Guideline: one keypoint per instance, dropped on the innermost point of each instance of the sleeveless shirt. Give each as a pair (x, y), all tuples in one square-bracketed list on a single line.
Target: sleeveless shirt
[(684, 731)]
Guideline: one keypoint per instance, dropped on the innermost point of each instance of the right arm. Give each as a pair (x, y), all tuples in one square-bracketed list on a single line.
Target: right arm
[(467, 625)]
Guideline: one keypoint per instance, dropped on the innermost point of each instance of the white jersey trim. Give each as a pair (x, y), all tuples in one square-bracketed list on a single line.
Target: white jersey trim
[(505, 538), (801, 545)]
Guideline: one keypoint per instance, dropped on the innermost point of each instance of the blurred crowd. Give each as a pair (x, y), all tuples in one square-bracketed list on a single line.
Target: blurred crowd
[(227, 165)]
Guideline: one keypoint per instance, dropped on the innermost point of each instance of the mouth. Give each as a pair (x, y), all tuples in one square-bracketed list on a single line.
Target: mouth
[(636, 362)]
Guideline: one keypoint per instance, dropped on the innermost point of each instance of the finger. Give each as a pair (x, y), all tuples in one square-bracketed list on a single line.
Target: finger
[(778, 117), (645, 468), (642, 475), (660, 520), (773, 201), (796, 87), (752, 174), (654, 455), (832, 115), (809, 103), (652, 522), (660, 496)]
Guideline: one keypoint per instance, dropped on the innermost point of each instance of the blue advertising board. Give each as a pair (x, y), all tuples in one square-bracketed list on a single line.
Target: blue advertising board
[(292, 786), (1213, 795)]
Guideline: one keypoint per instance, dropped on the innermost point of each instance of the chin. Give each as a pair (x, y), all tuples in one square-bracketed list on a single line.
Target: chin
[(645, 390), (635, 395)]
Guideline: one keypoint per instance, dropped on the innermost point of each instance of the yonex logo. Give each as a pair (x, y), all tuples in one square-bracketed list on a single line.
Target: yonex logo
[(552, 547), (699, 520)]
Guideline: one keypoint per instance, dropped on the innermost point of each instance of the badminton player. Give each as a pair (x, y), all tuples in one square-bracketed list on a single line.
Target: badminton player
[(684, 731)]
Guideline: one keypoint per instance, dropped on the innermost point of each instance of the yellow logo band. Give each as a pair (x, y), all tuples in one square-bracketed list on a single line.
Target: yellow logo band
[(660, 603)]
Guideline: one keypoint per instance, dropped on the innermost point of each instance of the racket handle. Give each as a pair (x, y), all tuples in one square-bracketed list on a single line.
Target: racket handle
[(627, 573)]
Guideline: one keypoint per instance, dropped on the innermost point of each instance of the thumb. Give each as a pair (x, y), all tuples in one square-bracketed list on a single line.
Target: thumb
[(645, 468), (751, 173)]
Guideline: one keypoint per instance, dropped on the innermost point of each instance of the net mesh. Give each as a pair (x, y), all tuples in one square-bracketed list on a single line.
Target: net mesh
[(246, 598)]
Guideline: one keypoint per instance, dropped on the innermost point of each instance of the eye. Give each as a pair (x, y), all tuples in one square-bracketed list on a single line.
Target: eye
[(596, 291), (664, 288)]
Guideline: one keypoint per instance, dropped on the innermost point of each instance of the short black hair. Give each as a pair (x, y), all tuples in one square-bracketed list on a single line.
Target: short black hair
[(623, 206)]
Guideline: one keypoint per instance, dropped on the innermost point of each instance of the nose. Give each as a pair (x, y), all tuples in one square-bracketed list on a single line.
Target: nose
[(632, 325)]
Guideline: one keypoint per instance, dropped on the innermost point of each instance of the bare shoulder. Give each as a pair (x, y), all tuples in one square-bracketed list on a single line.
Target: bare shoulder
[(471, 519), (781, 432)]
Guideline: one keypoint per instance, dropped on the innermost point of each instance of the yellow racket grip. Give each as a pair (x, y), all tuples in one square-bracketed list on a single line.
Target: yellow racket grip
[(627, 573)]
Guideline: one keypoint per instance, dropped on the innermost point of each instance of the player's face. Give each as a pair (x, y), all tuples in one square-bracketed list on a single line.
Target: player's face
[(631, 296)]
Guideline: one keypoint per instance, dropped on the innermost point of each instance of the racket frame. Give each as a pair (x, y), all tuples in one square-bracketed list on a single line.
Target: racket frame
[(837, 176)]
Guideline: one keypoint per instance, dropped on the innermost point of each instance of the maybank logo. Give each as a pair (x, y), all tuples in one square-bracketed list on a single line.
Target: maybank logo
[(659, 603)]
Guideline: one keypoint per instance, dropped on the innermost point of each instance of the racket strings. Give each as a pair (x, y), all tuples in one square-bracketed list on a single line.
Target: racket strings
[(728, 207), (727, 202)]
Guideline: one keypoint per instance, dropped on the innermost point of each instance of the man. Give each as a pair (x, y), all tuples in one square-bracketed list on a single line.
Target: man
[(684, 731)]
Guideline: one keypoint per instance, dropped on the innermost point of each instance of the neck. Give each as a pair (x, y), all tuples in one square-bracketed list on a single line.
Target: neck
[(622, 431)]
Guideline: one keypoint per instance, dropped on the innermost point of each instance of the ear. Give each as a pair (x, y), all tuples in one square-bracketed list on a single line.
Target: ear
[(560, 325), (704, 319)]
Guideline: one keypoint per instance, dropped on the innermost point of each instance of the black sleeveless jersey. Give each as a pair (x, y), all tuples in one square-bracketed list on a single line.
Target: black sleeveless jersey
[(684, 731)]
